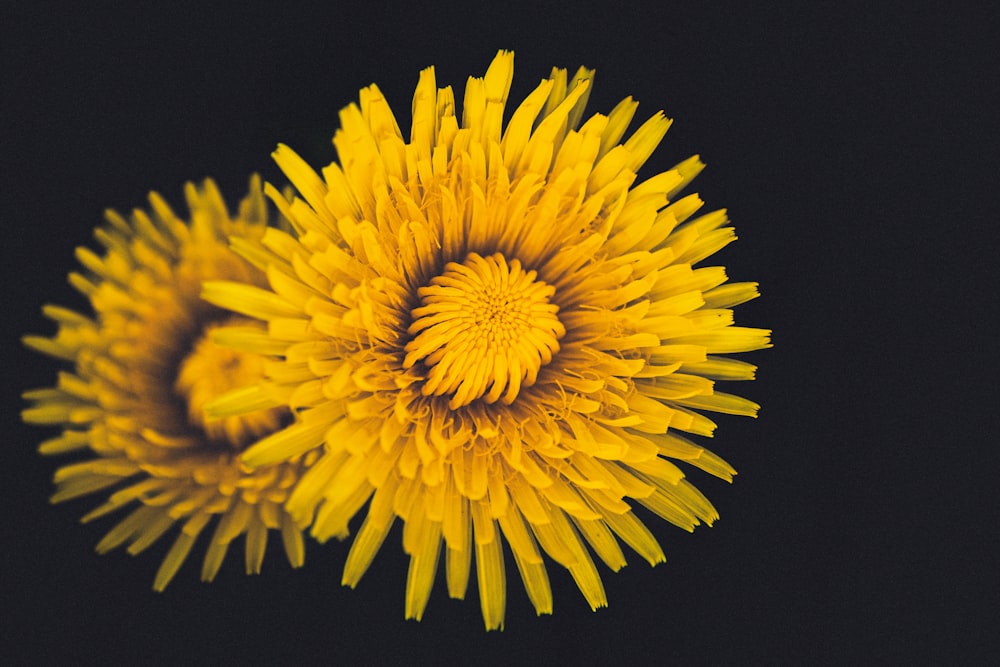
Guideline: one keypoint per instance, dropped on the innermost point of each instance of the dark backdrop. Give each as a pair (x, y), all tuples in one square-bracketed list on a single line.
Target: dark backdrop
[(853, 151)]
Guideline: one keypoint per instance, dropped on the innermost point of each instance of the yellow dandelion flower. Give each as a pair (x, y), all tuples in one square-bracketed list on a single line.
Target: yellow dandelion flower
[(144, 367), (497, 334)]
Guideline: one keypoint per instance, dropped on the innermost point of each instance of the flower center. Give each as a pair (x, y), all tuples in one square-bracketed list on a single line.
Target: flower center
[(483, 330), (209, 371)]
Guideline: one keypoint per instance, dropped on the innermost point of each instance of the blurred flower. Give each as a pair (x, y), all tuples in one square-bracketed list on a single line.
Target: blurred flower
[(144, 365), (496, 333)]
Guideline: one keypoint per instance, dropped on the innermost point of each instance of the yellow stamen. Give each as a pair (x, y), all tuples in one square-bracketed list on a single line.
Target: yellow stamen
[(209, 371), (483, 330)]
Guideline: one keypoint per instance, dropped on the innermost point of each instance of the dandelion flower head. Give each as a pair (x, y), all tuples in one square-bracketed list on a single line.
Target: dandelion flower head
[(497, 334), (144, 366)]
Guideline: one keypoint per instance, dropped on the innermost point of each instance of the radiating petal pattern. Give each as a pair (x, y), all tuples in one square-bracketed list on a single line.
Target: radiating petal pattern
[(143, 366)]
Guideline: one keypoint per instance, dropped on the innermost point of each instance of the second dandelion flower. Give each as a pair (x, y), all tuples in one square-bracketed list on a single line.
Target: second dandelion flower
[(142, 367)]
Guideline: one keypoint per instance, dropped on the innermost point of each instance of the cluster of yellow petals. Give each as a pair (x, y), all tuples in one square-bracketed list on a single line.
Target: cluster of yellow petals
[(483, 330), (144, 367), (494, 333)]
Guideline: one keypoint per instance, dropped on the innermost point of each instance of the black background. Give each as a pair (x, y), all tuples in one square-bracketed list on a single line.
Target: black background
[(853, 148)]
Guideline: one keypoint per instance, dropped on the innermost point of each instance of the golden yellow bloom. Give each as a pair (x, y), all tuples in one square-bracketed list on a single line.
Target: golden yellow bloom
[(497, 334), (145, 366)]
